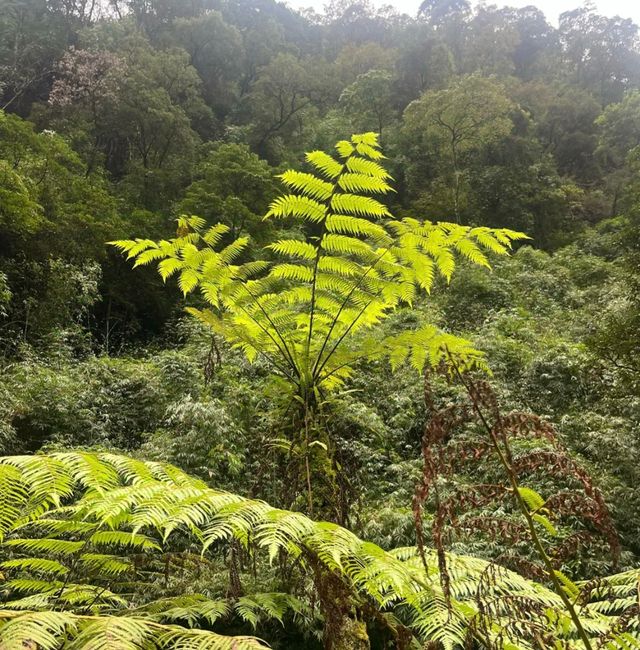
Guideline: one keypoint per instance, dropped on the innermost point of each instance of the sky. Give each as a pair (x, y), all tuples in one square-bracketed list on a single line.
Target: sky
[(551, 8)]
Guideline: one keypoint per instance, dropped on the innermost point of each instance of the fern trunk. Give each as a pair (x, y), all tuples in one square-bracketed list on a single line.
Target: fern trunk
[(343, 628)]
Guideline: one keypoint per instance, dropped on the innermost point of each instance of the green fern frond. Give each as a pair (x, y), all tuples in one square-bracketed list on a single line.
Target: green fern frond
[(354, 182), (430, 346), (13, 495), (357, 227), (231, 252), (133, 247), (61, 547), (307, 184), (215, 233), (344, 148), (36, 565), (292, 272), (164, 501), (545, 523), (169, 267), (371, 168), (106, 565), (471, 251), (124, 539), (294, 248), (351, 267), (53, 630), (148, 256), (297, 207), (356, 204), (325, 164), (533, 500)]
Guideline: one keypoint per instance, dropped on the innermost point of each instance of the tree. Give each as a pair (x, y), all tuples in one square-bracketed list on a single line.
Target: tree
[(424, 62), (49, 195), (355, 60), (439, 11), (33, 35), (513, 183), (601, 53), (282, 95), (89, 80), (233, 187), (538, 42), (368, 100), (492, 39), (216, 52), (470, 114), (616, 337), (619, 139), (449, 19), (564, 119)]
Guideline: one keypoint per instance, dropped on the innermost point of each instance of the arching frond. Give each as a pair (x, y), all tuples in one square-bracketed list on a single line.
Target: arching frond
[(164, 502), (297, 207), (294, 248), (54, 630)]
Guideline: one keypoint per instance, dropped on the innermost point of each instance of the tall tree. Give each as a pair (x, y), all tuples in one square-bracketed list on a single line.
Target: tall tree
[(369, 101), (471, 113), (601, 53)]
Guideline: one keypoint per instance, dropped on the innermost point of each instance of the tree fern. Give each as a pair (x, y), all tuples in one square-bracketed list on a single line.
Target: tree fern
[(53, 630), (488, 602), (314, 311), (350, 266)]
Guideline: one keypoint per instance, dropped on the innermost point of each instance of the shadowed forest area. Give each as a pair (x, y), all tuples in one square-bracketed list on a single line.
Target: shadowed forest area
[(318, 330)]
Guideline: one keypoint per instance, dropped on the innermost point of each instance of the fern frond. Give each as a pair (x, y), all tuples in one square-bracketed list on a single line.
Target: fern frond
[(371, 168), (325, 164), (13, 496), (357, 227), (169, 267), (294, 248), (352, 266), (188, 280), (369, 151), (52, 630), (358, 205), (297, 207), (471, 251), (344, 148), (164, 501), (36, 565), (124, 539), (60, 547), (307, 184), (229, 253), (292, 272), (133, 247), (215, 233), (106, 565), (430, 346), (354, 183)]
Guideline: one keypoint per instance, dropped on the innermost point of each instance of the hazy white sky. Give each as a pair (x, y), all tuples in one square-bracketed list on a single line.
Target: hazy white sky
[(552, 8)]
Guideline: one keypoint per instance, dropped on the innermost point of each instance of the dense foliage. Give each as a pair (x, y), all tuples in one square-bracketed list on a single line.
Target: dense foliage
[(319, 292)]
